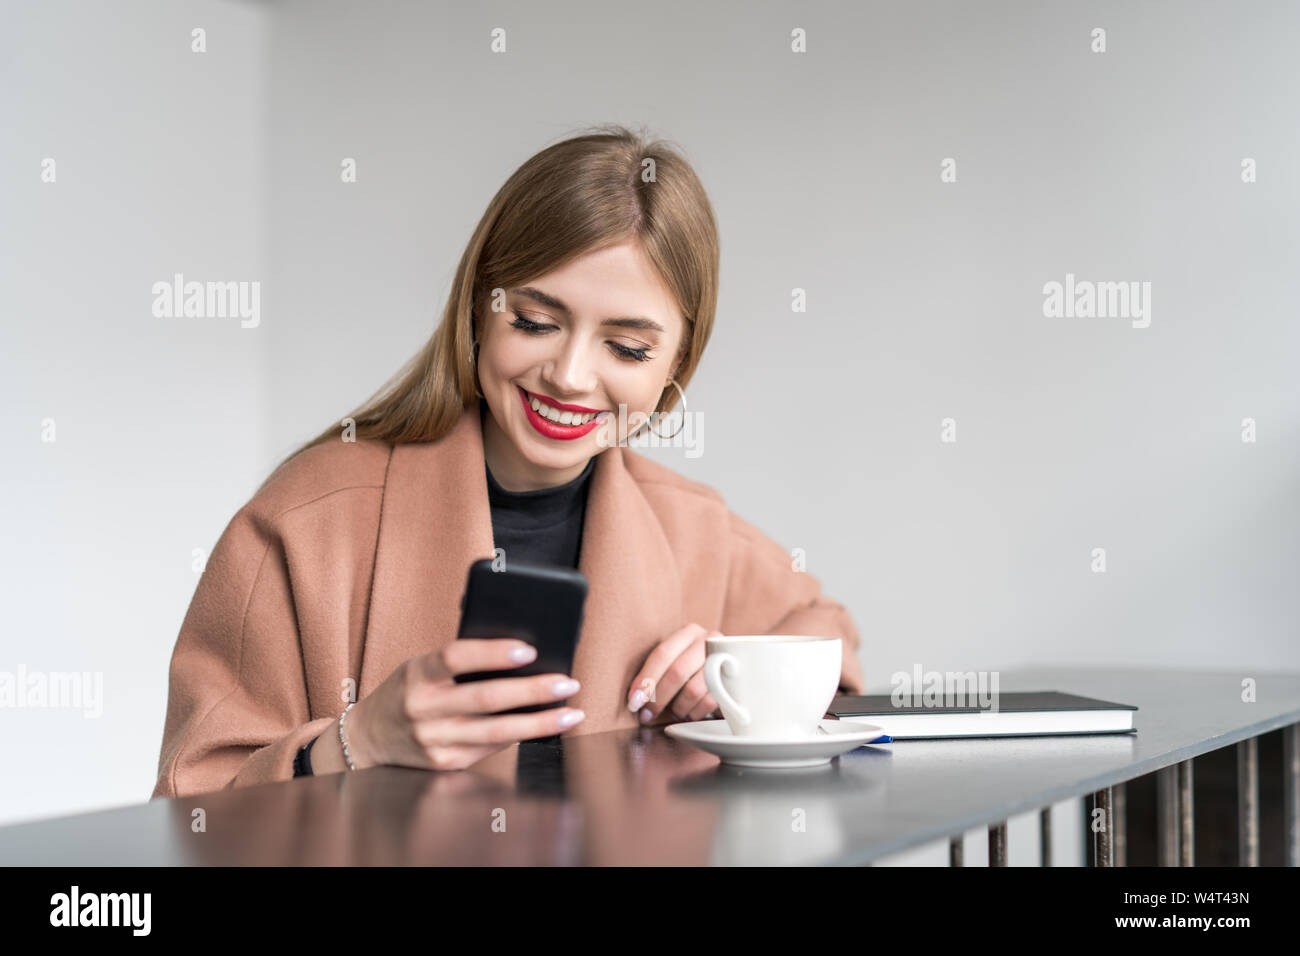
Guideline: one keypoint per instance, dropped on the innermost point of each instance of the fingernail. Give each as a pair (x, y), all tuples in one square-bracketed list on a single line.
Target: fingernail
[(638, 698), (523, 654), (563, 688), (646, 716), (571, 718)]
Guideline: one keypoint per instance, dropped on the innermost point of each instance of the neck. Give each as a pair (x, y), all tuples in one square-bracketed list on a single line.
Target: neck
[(513, 471)]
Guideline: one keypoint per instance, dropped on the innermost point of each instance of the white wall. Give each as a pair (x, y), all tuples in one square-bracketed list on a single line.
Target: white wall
[(924, 302), (161, 425)]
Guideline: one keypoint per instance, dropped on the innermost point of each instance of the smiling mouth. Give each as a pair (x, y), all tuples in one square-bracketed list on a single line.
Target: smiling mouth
[(544, 411)]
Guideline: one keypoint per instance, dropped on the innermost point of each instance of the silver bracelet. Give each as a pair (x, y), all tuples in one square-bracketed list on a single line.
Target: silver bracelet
[(343, 740)]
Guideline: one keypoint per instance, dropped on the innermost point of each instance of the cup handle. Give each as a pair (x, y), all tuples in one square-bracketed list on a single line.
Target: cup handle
[(713, 665)]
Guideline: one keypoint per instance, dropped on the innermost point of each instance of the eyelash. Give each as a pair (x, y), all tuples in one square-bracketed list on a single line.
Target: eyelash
[(533, 328)]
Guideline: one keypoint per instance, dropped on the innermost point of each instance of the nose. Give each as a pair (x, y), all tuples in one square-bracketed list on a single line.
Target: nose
[(571, 374)]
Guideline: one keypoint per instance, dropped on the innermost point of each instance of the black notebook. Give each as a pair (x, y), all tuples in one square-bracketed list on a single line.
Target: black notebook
[(1018, 714)]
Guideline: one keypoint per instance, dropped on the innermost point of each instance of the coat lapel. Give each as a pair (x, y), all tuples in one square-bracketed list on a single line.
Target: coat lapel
[(436, 522)]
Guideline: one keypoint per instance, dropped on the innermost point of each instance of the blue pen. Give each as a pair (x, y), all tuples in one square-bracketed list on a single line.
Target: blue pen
[(882, 739)]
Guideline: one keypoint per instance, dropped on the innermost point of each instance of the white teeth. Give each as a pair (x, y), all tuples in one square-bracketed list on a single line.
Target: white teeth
[(560, 418)]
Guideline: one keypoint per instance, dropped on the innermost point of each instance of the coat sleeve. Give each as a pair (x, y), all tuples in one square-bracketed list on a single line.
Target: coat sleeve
[(237, 708), (767, 595)]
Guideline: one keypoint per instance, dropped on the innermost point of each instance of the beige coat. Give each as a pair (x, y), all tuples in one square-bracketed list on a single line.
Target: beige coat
[(354, 556)]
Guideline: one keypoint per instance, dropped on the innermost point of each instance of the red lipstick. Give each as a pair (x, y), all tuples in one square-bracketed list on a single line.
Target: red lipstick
[(560, 406), (552, 429)]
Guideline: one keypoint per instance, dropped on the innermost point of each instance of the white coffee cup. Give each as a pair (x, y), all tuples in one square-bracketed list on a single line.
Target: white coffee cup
[(776, 686)]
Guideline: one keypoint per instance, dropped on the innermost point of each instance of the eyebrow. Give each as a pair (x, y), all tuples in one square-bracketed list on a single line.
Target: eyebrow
[(551, 302)]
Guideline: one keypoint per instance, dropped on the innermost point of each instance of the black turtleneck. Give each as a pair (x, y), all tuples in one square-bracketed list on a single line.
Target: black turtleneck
[(542, 526)]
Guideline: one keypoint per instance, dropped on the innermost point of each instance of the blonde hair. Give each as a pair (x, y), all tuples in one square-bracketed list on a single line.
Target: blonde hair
[(577, 196)]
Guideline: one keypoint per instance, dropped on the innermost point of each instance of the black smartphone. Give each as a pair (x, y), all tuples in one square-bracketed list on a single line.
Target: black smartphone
[(539, 604)]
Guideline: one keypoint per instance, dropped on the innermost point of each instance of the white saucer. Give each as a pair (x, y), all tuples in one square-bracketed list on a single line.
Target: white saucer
[(716, 737)]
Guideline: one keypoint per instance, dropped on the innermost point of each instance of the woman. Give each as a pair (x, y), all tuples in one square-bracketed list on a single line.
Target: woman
[(327, 613)]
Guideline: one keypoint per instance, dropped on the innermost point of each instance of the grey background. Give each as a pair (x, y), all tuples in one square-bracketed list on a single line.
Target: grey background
[(924, 302)]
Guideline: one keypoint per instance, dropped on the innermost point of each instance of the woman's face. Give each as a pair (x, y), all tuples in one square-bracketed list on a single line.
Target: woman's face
[(610, 331)]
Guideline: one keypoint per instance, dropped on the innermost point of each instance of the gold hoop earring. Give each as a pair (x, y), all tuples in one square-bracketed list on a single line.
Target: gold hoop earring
[(673, 382)]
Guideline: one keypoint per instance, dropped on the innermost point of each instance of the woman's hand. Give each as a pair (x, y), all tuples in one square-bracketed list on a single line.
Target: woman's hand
[(420, 717), (673, 677)]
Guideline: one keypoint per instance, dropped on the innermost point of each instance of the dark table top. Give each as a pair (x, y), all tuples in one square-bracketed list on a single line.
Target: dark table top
[(640, 797)]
